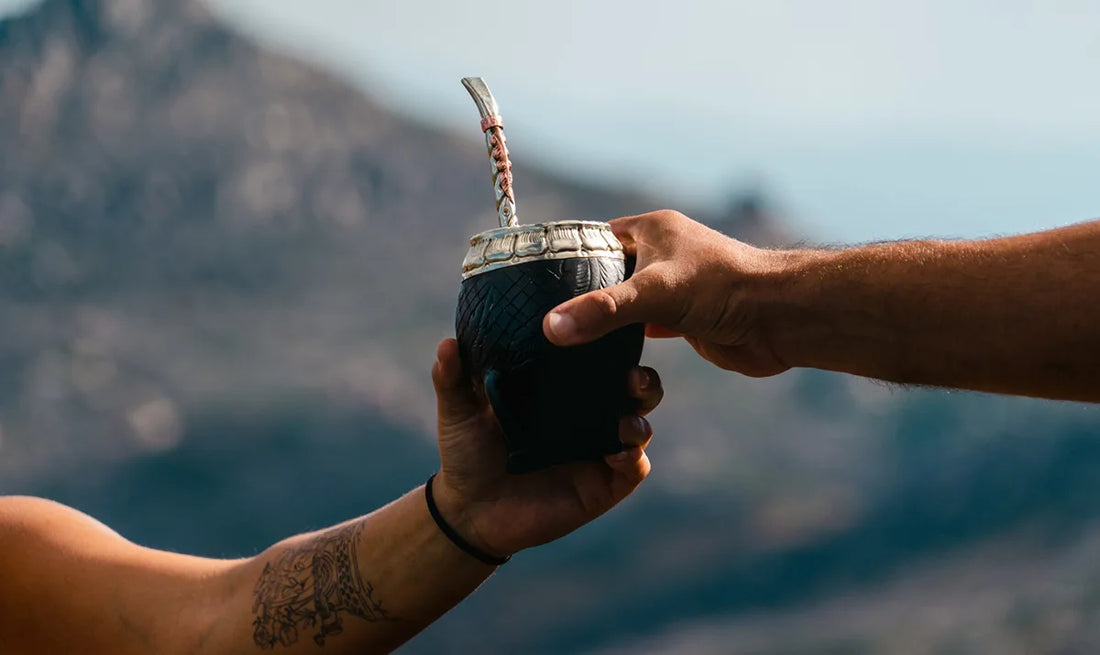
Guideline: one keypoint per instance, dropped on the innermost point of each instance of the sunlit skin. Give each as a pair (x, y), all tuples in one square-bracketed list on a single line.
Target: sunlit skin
[(1016, 315), (68, 584)]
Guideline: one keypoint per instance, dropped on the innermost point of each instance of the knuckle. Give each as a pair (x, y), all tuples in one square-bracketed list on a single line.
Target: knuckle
[(625, 222), (604, 304), (671, 216)]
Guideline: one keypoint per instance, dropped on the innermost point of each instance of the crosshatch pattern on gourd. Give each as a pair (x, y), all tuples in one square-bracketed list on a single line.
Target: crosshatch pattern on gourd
[(500, 312)]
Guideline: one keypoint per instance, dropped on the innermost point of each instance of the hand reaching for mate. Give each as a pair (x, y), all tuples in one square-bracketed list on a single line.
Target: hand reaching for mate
[(689, 281)]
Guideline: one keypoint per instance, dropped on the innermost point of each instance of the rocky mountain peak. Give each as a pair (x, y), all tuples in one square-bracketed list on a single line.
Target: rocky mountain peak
[(92, 21)]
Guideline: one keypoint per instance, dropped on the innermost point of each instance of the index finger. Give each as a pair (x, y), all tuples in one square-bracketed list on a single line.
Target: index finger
[(625, 230)]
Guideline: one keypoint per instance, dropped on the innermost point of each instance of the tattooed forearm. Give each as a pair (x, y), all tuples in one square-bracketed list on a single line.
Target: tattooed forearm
[(309, 586)]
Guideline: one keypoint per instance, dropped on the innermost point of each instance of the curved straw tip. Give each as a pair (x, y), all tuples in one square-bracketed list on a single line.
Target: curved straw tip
[(479, 91)]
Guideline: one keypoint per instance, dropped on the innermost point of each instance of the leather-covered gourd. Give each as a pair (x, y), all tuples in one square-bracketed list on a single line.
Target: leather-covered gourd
[(555, 404)]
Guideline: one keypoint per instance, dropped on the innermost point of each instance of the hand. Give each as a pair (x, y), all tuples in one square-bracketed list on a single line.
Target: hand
[(689, 281), (501, 513)]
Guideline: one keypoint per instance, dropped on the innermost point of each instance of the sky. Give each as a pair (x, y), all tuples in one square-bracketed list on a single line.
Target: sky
[(863, 120)]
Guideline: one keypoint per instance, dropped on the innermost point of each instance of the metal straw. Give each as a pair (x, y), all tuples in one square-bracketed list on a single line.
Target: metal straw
[(493, 127)]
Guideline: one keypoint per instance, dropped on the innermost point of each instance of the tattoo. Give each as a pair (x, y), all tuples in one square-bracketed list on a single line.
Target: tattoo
[(309, 586)]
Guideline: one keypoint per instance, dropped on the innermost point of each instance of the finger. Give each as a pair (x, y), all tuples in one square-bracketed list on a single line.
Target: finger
[(635, 432), (654, 331), (629, 468), (592, 315), (631, 229), (645, 388), (625, 230), (454, 394)]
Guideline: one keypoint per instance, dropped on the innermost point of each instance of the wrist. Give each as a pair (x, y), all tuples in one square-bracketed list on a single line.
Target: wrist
[(789, 301), (461, 515)]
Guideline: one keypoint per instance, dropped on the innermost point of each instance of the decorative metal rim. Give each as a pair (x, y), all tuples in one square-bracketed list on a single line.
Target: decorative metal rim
[(509, 246)]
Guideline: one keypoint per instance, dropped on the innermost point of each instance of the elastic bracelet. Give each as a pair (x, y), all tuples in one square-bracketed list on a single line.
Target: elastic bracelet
[(455, 538)]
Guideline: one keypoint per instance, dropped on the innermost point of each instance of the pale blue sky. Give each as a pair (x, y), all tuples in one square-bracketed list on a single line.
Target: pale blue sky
[(866, 119)]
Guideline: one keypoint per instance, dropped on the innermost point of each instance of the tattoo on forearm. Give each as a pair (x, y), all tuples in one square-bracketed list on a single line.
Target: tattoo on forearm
[(309, 587)]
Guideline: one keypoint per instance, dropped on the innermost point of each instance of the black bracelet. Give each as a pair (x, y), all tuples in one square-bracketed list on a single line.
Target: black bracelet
[(455, 538)]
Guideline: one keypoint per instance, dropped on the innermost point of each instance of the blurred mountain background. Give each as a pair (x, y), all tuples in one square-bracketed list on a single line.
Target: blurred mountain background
[(223, 273)]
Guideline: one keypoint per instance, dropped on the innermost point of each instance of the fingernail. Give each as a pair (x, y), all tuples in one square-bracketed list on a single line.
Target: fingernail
[(642, 379), (562, 326)]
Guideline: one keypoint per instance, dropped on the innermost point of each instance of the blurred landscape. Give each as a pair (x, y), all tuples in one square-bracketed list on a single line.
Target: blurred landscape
[(224, 273)]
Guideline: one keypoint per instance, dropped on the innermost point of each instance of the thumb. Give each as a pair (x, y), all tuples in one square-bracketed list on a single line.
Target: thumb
[(594, 314), (455, 397)]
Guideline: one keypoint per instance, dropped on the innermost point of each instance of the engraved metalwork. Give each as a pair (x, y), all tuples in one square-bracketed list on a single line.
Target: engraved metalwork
[(501, 165), (509, 246)]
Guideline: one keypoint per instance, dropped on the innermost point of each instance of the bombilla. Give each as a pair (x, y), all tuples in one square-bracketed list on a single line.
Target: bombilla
[(493, 127)]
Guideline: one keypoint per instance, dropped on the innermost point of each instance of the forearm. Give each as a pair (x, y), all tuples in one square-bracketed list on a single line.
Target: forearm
[(365, 586), (1015, 315), (68, 584)]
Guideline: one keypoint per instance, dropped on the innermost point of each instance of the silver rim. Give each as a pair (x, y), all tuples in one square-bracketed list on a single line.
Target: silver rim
[(510, 246)]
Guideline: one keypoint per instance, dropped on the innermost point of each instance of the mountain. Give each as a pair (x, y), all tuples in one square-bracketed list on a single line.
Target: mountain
[(222, 277), (176, 202)]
